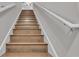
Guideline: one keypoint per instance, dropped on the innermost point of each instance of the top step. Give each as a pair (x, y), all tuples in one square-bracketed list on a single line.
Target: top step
[(27, 12)]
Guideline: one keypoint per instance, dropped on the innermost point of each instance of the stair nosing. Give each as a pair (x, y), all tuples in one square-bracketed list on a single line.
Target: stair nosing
[(27, 20), (25, 29), (27, 43), (27, 35), (26, 24), (26, 15)]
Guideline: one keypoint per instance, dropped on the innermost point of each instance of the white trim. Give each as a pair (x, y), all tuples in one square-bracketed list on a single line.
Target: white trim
[(43, 31), (7, 39), (69, 24), (52, 47)]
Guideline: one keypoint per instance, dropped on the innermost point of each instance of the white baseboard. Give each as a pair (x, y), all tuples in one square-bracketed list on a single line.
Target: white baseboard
[(52, 52), (7, 37)]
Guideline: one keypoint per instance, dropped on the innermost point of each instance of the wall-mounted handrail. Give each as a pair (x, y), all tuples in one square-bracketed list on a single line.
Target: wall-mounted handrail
[(65, 22), (7, 7)]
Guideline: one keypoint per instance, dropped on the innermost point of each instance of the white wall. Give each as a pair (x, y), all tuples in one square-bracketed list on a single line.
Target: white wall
[(74, 50), (67, 10), (5, 4), (26, 6), (7, 19), (60, 36)]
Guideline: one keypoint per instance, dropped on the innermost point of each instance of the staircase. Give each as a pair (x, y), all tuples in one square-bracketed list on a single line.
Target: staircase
[(27, 40)]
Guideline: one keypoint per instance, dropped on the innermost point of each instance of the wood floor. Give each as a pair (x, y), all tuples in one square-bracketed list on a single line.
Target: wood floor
[(27, 40)]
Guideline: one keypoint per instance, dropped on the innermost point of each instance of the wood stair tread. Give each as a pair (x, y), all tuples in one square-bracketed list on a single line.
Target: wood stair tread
[(29, 14), (27, 38), (28, 18), (27, 21), (26, 29), (26, 42), (27, 54), (27, 24)]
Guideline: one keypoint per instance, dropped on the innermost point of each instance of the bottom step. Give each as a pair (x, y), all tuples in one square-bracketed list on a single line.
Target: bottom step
[(26, 54), (27, 47)]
